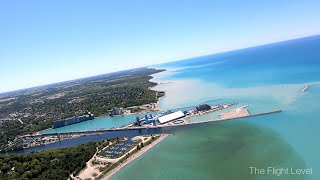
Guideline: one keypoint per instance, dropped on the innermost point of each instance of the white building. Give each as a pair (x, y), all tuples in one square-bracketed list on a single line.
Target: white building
[(171, 117)]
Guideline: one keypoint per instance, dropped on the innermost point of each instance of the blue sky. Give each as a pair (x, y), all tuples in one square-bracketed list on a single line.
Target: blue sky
[(42, 42)]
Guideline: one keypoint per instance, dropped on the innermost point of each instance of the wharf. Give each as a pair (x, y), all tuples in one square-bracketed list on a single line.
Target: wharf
[(150, 127)]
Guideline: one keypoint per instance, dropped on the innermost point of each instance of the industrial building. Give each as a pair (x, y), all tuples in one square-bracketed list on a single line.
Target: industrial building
[(203, 107), (73, 120), (165, 117), (116, 112), (170, 117), (146, 120)]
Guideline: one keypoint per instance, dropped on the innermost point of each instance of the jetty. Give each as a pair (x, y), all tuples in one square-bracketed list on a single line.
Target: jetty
[(252, 115), (91, 132)]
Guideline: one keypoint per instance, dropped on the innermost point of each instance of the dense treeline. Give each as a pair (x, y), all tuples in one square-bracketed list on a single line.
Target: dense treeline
[(49, 164), (37, 108)]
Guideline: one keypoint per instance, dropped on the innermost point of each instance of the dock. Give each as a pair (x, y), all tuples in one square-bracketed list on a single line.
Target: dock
[(88, 132)]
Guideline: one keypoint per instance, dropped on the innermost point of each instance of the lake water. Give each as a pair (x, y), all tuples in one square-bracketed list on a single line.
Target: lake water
[(265, 78)]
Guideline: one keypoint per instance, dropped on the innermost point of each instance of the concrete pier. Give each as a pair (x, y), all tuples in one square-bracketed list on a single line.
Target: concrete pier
[(151, 127)]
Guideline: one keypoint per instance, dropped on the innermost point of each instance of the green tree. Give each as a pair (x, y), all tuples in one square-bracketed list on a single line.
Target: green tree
[(5, 168)]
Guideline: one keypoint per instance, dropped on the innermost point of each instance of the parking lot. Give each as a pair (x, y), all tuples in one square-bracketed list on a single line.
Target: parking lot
[(119, 149)]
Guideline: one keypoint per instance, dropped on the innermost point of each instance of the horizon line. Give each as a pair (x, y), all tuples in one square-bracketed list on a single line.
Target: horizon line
[(171, 61)]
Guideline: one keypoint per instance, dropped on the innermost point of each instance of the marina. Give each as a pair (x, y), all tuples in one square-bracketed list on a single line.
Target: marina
[(117, 154)]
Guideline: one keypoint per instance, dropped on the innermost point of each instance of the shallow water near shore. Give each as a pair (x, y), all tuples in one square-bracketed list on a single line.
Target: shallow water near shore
[(265, 78), (223, 150)]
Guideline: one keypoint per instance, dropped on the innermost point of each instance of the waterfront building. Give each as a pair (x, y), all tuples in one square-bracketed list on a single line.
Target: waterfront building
[(171, 117), (203, 107), (116, 112), (137, 123), (72, 120), (146, 119)]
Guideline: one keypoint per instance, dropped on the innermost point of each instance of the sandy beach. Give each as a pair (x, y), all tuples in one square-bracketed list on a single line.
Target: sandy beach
[(238, 112), (135, 156)]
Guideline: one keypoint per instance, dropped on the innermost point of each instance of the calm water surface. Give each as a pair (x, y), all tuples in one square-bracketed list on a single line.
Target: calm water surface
[(265, 78)]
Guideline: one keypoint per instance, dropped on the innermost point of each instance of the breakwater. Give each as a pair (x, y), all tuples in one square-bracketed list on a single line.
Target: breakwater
[(92, 132)]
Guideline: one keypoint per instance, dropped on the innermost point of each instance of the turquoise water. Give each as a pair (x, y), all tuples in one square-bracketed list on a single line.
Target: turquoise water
[(97, 123), (265, 78)]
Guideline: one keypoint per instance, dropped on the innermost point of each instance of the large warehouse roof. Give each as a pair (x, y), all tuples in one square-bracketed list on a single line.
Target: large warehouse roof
[(170, 117), (203, 107)]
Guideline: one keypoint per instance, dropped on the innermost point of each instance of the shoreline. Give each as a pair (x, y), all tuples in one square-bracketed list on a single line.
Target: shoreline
[(105, 115), (157, 104), (135, 156)]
